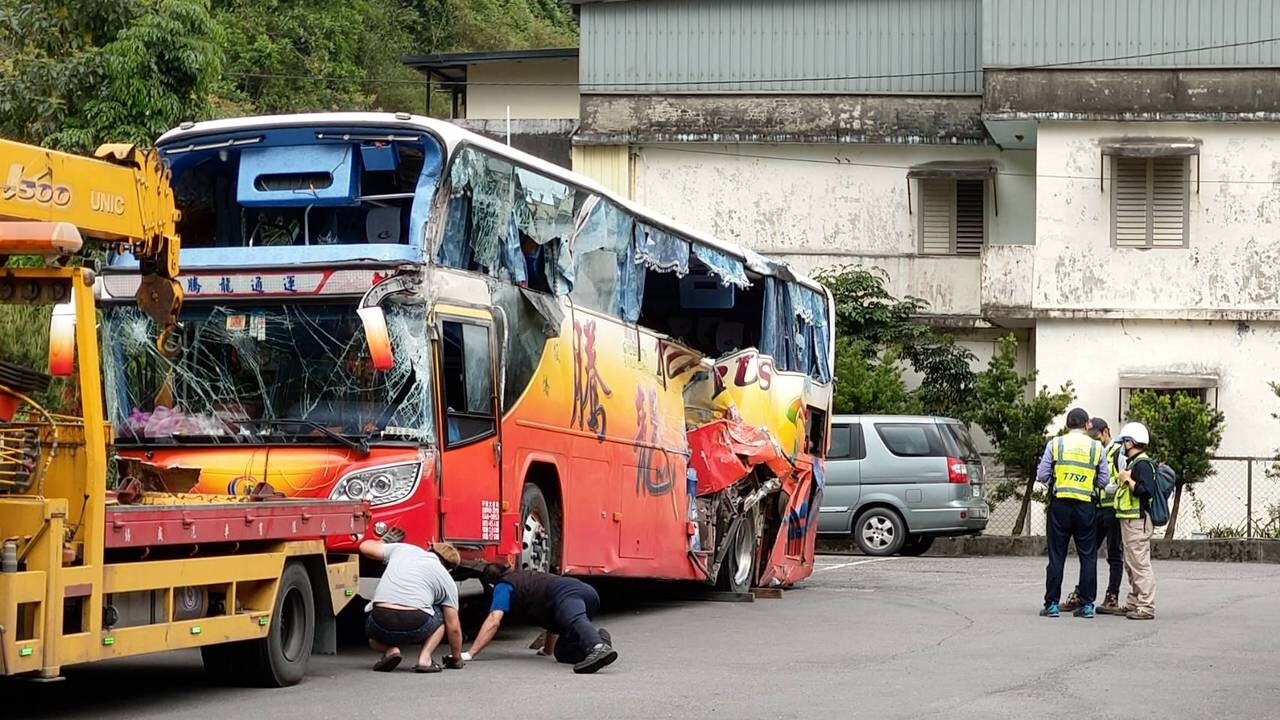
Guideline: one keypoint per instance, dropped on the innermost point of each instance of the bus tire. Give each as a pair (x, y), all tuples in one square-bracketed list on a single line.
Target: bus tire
[(737, 571), (539, 532), (280, 659)]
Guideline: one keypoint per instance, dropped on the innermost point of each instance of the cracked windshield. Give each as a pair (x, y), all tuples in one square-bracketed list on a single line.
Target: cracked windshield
[(286, 371)]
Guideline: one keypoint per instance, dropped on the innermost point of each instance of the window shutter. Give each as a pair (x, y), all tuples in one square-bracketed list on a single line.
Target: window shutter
[(1149, 202), (1129, 205), (937, 204), (969, 217), (1168, 202)]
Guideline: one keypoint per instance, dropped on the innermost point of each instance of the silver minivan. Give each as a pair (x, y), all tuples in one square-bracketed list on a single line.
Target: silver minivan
[(896, 482)]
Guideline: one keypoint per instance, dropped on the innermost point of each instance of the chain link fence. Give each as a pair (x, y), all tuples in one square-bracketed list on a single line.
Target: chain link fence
[(1240, 500)]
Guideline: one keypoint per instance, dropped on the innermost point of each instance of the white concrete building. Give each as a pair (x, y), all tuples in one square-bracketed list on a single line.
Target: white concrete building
[(1071, 172), (532, 94)]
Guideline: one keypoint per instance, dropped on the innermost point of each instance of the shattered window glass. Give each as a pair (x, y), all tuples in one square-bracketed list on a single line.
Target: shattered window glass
[(244, 369), (545, 219), (487, 184), (601, 249)]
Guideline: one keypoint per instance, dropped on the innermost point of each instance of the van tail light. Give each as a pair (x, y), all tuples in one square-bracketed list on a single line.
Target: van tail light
[(957, 471)]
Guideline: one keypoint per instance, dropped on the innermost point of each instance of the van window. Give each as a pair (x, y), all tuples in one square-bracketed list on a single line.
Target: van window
[(959, 442), (841, 447), (911, 439), (847, 443)]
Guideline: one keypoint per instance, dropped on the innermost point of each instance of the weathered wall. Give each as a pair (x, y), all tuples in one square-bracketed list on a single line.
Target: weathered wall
[(1232, 267), (797, 202), (514, 85), (1197, 94), (622, 119), (1092, 354)]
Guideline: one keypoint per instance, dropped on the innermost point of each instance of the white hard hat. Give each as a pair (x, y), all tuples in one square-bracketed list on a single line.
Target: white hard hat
[(1136, 432)]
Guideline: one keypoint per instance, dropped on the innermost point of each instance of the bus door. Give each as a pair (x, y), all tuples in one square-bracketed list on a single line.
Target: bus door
[(470, 483)]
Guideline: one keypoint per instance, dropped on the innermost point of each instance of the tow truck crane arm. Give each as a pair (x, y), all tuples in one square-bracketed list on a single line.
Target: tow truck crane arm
[(122, 195)]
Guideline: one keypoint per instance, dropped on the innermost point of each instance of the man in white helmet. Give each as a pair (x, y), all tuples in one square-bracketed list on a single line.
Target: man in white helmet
[(1134, 488)]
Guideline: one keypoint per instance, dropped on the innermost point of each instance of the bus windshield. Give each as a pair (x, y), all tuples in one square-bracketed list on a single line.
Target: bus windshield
[(287, 371)]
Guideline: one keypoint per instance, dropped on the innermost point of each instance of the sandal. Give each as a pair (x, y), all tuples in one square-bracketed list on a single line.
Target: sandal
[(434, 667), (387, 663)]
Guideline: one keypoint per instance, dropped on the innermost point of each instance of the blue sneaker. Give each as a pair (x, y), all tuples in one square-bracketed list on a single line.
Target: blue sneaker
[(1084, 611), (1050, 610)]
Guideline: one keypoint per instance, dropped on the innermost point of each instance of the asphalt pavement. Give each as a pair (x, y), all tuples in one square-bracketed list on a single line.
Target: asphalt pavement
[(862, 638)]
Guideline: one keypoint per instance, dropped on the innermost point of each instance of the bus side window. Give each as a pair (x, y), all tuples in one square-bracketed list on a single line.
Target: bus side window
[(466, 372)]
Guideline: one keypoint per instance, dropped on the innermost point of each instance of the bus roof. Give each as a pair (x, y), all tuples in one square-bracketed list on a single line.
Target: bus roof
[(452, 135)]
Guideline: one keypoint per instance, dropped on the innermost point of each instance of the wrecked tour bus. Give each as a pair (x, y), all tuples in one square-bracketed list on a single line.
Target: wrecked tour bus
[(488, 348)]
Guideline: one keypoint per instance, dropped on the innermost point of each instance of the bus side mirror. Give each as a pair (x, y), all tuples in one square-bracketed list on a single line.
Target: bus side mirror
[(375, 333), (62, 340)]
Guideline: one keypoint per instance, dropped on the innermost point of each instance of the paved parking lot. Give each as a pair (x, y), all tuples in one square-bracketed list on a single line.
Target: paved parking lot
[(864, 638)]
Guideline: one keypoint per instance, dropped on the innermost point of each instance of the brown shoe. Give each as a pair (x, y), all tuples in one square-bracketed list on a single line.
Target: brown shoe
[(1140, 615), (1111, 605), (1071, 603)]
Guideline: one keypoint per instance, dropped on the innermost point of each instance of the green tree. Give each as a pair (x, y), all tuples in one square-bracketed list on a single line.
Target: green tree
[(886, 326), (1015, 425), (76, 74), (867, 384), (461, 25), (1185, 433)]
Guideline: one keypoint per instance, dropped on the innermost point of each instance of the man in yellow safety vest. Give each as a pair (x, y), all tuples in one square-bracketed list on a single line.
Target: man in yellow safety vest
[(1107, 527), (1074, 467)]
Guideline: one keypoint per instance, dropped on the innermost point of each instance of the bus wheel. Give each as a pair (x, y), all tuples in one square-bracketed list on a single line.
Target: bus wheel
[(737, 570), (539, 534), (279, 659)]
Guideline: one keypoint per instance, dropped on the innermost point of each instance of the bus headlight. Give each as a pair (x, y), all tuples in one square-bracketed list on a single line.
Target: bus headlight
[(380, 486)]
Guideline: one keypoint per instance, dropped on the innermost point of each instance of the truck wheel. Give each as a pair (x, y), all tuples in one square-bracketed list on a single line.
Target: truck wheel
[(540, 533), (738, 569), (917, 545), (280, 659), (879, 531)]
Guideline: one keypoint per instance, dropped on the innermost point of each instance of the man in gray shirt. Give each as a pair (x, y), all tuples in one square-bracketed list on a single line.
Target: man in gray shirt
[(416, 602)]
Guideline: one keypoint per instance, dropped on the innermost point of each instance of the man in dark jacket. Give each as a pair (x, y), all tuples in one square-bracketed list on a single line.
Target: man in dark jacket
[(560, 605)]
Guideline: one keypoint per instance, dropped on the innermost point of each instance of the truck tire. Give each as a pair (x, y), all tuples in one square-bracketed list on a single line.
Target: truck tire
[(540, 532), (917, 545), (737, 571), (280, 659), (879, 532)]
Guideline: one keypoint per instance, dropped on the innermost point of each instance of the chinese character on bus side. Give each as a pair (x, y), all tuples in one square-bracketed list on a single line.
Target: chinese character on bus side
[(193, 285), (224, 284), (290, 283), (256, 286)]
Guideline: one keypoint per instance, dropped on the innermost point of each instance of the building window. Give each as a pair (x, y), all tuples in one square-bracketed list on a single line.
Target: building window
[(952, 216), (1206, 395), (1149, 202)]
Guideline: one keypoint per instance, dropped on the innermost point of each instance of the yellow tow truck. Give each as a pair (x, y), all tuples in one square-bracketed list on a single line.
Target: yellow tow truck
[(89, 573)]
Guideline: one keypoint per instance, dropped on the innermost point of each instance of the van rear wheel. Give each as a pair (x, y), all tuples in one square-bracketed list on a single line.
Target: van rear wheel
[(879, 532)]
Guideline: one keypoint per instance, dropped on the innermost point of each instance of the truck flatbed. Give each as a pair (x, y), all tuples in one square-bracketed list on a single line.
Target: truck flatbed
[(151, 525)]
